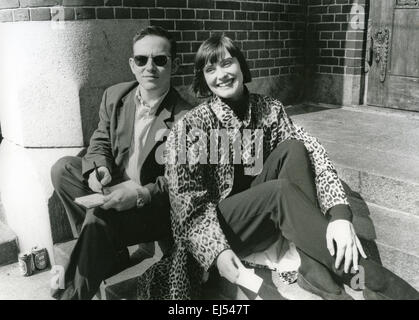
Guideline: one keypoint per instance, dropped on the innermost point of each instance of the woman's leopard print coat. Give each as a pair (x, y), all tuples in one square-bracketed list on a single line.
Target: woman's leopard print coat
[(196, 189)]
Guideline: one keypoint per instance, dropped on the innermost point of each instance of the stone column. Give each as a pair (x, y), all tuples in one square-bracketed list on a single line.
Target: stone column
[(52, 76)]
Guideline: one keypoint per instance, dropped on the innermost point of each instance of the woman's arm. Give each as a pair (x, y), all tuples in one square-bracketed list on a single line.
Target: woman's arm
[(330, 192), (193, 207)]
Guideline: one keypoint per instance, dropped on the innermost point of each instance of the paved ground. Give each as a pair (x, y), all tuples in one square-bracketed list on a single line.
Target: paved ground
[(14, 286)]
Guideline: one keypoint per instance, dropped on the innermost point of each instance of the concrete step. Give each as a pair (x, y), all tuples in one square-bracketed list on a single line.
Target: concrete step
[(384, 228), (8, 245), (221, 289), (117, 287), (388, 226), (392, 235), (376, 152), (216, 289), (123, 286), (137, 253)]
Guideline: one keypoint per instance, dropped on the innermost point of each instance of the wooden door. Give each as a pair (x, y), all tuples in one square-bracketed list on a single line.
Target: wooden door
[(393, 54)]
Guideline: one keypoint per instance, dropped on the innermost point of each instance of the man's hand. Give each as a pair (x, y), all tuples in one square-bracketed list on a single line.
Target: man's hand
[(347, 243), (228, 265), (144, 195), (121, 199), (104, 179)]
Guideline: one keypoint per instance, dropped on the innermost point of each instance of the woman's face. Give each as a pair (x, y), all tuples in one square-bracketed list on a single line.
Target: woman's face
[(224, 77)]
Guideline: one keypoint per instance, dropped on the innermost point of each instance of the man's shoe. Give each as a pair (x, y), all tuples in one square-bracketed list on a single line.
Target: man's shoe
[(306, 285)]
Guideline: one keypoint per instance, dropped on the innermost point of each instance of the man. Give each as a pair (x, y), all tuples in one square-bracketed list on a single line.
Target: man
[(133, 117)]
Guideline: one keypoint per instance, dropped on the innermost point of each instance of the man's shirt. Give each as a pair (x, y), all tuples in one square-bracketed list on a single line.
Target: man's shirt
[(145, 114)]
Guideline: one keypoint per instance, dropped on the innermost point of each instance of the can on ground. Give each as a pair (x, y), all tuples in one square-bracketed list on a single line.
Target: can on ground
[(40, 258), (26, 264)]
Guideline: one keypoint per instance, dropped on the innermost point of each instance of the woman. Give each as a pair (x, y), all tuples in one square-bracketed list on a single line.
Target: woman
[(223, 208)]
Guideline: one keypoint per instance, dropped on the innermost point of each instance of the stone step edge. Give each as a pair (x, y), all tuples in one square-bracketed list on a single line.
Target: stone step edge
[(384, 245), (8, 252), (357, 173), (9, 245), (59, 246), (352, 199), (405, 268), (381, 207), (360, 108), (366, 210), (396, 249), (329, 145)]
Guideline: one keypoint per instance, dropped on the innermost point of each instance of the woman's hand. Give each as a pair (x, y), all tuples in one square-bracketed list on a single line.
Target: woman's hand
[(228, 265), (347, 243)]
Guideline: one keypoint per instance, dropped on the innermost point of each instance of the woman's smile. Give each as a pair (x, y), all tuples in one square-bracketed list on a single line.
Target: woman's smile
[(226, 83), (224, 77)]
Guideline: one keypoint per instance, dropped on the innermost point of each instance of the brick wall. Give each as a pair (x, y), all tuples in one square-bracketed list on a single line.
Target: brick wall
[(336, 32), (270, 32)]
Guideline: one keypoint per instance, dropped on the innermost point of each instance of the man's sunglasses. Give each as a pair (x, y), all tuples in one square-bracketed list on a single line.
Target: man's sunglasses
[(158, 60)]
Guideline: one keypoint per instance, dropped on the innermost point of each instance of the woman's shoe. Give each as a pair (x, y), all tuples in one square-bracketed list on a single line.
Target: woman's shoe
[(372, 295), (316, 278), (382, 284)]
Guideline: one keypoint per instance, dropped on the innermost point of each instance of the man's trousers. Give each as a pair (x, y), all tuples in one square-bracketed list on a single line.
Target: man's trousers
[(102, 234)]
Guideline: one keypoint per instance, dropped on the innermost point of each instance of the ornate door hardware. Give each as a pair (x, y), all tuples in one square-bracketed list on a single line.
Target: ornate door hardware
[(378, 47), (411, 3)]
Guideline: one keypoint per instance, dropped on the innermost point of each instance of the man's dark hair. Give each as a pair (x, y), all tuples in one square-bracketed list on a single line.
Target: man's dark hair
[(160, 32), (213, 50)]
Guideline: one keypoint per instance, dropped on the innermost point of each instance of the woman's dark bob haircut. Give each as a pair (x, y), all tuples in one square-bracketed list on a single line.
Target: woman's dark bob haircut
[(212, 50)]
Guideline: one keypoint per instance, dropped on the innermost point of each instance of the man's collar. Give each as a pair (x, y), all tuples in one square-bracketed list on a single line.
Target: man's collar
[(126, 115), (165, 109), (154, 104)]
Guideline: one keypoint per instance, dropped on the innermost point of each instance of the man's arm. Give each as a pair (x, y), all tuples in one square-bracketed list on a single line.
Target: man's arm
[(100, 148), (158, 191)]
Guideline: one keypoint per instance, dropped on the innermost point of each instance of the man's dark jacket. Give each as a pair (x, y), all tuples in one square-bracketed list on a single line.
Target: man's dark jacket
[(110, 143)]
